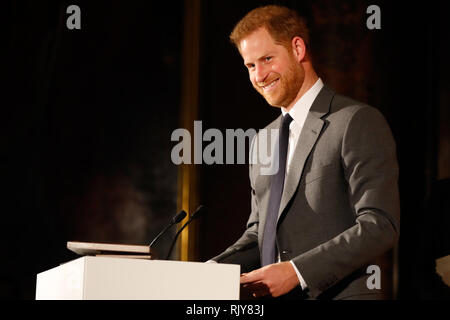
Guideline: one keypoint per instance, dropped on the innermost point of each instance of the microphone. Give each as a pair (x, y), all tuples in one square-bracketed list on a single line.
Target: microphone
[(176, 219), (200, 210)]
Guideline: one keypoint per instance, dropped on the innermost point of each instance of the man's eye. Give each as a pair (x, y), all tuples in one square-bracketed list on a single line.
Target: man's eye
[(268, 59)]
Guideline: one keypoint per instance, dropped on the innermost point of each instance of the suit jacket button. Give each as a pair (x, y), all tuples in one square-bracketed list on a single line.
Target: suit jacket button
[(285, 252)]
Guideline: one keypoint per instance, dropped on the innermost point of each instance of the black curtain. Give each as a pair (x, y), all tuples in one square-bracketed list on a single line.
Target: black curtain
[(86, 125)]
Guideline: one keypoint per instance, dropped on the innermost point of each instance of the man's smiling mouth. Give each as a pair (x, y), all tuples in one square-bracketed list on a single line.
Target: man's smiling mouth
[(270, 86)]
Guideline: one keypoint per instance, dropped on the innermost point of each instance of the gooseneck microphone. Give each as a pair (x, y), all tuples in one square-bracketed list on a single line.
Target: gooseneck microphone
[(176, 219), (200, 210)]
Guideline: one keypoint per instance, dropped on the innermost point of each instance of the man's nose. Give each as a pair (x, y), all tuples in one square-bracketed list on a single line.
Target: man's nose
[(260, 74)]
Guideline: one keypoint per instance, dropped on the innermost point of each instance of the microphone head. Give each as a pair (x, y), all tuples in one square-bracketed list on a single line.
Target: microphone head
[(179, 217), (200, 210)]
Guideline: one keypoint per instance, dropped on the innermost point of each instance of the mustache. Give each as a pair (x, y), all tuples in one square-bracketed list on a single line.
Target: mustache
[(267, 82)]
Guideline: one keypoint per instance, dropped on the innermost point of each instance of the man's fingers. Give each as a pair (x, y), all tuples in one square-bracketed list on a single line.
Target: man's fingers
[(256, 286), (251, 277)]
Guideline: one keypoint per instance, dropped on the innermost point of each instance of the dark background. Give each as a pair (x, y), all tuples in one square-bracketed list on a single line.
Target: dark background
[(87, 117)]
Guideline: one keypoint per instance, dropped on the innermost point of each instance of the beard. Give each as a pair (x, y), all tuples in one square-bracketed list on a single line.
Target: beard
[(288, 86)]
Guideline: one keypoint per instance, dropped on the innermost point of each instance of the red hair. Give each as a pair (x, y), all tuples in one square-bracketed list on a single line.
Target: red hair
[(282, 23)]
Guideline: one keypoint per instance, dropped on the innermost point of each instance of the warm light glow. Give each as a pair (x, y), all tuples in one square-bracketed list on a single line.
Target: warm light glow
[(185, 206)]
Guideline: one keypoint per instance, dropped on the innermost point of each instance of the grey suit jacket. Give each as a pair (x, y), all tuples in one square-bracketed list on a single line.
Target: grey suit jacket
[(340, 206)]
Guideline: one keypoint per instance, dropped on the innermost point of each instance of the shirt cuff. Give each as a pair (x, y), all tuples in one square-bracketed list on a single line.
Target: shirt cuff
[(300, 278)]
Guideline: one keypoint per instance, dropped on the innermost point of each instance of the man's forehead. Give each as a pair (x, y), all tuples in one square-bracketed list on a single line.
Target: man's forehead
[(255, 38), (257, 44)]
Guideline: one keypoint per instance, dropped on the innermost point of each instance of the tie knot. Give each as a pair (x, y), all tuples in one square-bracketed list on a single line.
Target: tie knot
[(287, 119)]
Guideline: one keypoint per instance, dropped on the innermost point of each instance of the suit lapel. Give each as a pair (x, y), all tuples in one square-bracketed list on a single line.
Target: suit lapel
[(308, 137)]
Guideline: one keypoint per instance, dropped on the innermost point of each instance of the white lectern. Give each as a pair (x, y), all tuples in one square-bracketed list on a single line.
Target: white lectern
[(101, 278)]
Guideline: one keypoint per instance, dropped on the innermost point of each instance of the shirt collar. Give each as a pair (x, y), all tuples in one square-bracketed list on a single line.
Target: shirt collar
[(301, 108)]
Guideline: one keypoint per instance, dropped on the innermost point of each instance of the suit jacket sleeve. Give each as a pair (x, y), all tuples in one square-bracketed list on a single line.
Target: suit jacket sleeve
[(368, 157)]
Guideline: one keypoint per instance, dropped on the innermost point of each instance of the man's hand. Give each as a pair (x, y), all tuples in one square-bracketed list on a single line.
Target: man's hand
[(274, 280)]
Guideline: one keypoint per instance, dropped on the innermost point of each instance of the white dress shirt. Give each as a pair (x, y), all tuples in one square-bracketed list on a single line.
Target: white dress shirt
[(299, 112)]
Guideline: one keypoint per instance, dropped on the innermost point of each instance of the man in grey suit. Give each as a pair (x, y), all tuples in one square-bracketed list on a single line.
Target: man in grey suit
[(332, 207)]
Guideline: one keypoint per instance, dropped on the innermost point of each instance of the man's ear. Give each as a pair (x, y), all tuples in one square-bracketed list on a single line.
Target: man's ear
[(298, 48)]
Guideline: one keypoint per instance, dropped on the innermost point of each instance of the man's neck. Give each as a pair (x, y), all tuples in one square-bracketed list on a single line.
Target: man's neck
[(310, 79)]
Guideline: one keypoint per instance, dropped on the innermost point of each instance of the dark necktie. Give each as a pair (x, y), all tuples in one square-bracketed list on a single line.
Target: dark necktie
[(276, 191)]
